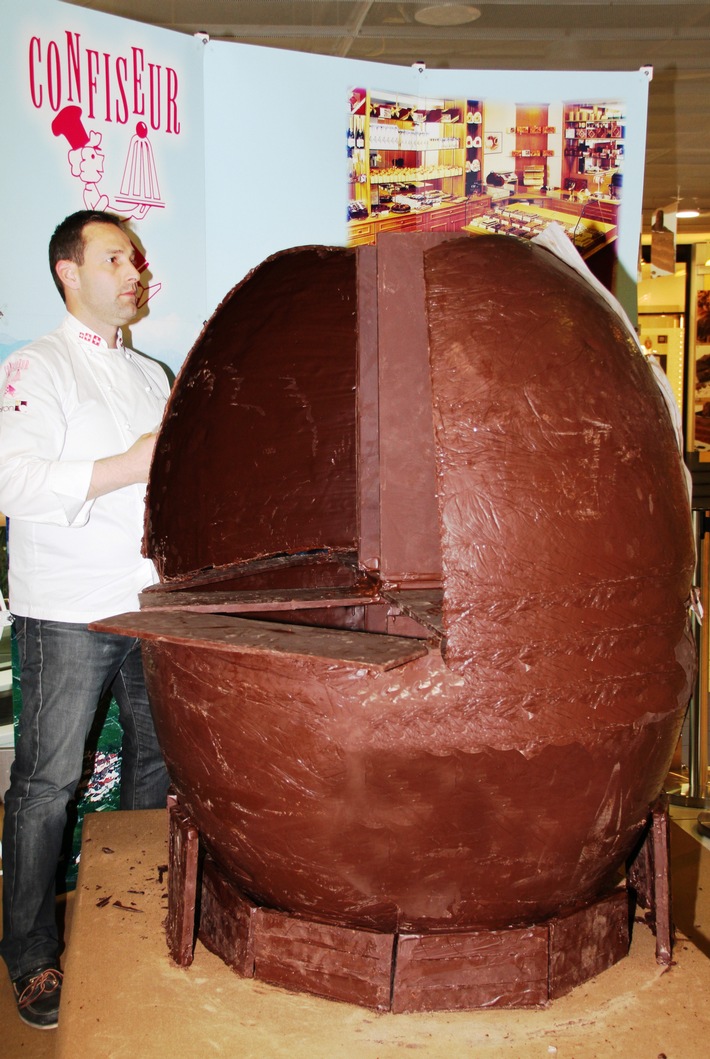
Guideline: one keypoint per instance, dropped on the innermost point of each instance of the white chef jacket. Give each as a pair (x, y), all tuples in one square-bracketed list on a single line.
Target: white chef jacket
[(68, 400)]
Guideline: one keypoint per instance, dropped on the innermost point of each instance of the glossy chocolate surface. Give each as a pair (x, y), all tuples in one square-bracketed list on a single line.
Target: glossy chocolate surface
[(520, 463)]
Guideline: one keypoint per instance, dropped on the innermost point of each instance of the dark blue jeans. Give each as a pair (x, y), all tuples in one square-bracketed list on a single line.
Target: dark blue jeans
[(65, 670)]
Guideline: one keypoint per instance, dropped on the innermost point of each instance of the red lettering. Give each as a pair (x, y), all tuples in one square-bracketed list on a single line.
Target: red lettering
[(73, 67), (154, 95), (138, 66), (92, 69), (54, 76), (173, 125), (122, 78), (109, 87), (107, 78), (35, 89)]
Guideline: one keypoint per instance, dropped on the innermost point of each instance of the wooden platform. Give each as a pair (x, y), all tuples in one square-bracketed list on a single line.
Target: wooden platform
[(124, 997)]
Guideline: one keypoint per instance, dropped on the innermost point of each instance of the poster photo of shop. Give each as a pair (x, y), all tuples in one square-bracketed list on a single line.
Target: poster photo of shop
[(486, 166), (397, 149)]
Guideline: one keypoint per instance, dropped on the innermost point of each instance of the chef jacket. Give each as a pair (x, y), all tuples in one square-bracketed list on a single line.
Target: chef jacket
[(68, 400)]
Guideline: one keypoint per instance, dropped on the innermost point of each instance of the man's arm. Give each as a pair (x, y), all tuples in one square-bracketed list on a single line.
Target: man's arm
[(127, 468), (40, 480)]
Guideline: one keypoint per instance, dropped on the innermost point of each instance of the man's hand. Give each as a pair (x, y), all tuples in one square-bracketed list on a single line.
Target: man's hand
[(127, 468)]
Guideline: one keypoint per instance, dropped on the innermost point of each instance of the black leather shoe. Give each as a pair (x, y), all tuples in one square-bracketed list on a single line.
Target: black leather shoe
[(37, 994)]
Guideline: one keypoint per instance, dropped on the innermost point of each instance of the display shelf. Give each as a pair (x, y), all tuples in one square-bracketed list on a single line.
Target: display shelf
[(532, 146), (410, 157), (474, 145), (414, 174), (593, 148), (357, 152)]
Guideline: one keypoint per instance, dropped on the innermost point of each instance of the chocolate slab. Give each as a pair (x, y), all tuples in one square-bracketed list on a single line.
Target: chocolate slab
[(662, 904), (226, 920), (424, 606), (353, 966), (321, 569), (182, 886), (410, 538), (649, 880), (256, 600), (501, 969), (588, 941), (468, 421), (228, 634)]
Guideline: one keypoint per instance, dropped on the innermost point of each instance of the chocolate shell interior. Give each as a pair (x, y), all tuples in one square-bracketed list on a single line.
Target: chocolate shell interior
[(269, 393)]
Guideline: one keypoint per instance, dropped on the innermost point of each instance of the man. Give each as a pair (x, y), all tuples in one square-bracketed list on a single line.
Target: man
[(79, 411)]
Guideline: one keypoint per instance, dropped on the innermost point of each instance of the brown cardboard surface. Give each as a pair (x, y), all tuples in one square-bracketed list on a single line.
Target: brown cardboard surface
[(123, 996)]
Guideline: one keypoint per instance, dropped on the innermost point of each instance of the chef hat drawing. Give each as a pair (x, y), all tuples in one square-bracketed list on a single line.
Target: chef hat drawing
[(68, 123)]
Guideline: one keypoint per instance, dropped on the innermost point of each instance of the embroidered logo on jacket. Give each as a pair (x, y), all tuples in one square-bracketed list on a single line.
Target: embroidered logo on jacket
[(14, 369), (18, 406), (13, 373), (89, 336)]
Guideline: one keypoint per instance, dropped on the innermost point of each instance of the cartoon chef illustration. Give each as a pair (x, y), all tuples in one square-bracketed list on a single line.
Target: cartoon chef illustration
[(86, 159), (139, 191)]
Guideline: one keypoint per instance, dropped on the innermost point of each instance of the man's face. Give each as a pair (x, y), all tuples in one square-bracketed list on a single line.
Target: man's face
[(101, 292)]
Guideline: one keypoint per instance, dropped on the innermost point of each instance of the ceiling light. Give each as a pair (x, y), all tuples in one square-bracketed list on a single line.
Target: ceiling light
[(686, 209), (447, 14)]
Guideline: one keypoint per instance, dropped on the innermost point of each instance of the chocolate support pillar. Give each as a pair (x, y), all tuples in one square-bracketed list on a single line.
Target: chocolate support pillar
[(420, 655)]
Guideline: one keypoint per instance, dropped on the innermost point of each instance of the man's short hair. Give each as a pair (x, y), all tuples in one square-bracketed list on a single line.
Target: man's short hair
[(67, 242)]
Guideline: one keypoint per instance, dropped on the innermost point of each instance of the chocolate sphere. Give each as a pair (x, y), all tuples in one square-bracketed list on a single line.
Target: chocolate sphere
[(459, 440)]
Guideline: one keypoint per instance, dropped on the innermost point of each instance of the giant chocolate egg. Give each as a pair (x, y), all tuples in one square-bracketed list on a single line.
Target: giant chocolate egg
[(421, 656)]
